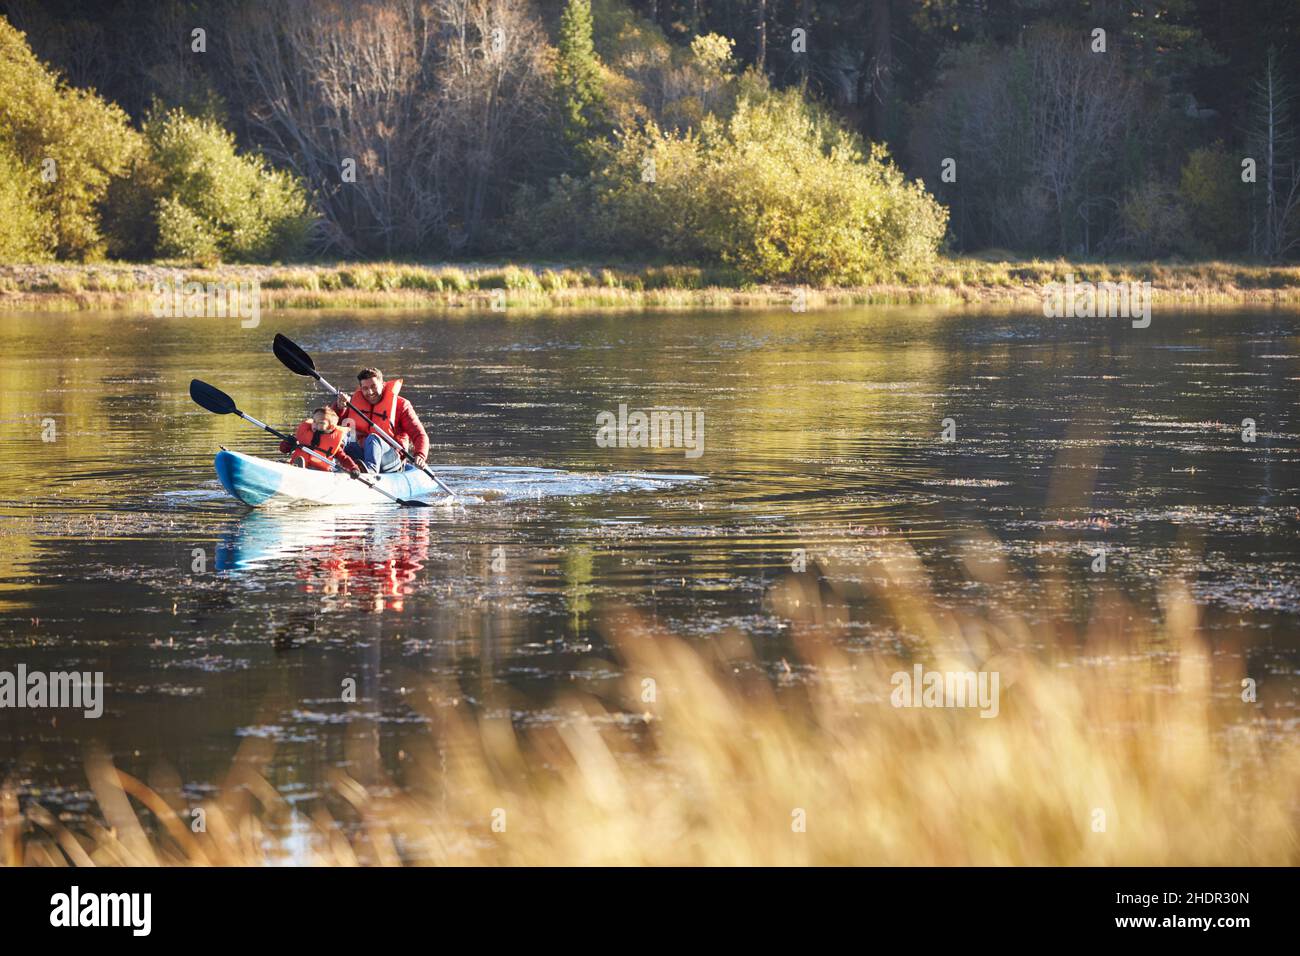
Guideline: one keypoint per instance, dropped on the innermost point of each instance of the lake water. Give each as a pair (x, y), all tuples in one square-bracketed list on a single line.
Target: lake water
[(823, 436)]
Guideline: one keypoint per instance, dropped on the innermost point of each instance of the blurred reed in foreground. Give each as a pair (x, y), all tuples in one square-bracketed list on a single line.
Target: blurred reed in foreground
[(1142, 730)]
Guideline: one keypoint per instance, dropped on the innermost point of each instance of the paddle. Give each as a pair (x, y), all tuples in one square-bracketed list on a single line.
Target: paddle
[(218, 402), (300, 363)]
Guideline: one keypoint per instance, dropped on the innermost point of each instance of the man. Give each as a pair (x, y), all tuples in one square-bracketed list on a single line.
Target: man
[(392, 414), (320, 433)]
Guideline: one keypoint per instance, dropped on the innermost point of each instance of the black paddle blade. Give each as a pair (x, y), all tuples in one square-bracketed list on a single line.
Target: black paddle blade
[(213, 399), (294, 358)]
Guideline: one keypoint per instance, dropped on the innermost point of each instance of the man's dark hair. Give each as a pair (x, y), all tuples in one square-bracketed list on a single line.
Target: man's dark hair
[(366, 373)]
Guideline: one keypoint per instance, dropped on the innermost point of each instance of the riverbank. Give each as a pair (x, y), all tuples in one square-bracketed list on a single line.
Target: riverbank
[(132, 287)]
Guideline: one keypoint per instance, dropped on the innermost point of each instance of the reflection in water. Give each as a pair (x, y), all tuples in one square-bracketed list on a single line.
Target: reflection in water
[(336, 554)]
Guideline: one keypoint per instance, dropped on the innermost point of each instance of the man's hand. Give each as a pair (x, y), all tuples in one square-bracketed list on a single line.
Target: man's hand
[(419, 461), (354, 472)]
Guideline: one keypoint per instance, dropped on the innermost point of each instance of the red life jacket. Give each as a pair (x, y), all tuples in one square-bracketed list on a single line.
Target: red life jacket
[(383, 413), (324, 443)]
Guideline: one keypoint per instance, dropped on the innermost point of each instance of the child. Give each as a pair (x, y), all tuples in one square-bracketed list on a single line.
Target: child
[(320, 433)]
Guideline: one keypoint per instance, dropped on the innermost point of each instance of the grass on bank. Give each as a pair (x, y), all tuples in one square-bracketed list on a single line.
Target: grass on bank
[(989, 278), (1114, 745)]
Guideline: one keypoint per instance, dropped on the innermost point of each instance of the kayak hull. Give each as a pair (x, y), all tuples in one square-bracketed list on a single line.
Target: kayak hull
[(259, 483)]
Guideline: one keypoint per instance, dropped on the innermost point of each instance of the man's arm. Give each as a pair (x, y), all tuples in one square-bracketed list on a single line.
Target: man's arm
[(408, 423)]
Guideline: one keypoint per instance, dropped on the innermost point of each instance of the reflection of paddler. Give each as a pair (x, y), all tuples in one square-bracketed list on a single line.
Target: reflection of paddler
[(337, 568)]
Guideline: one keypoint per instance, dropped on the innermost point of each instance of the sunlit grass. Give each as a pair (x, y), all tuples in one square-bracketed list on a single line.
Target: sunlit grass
[(986, 278), (1112, 745)]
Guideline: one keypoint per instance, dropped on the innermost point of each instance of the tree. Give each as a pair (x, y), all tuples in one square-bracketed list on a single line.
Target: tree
[(1035, 135), (74, 141), (26, 231), (341, 99), (213, 202), (578, 82), (1210, 186), (1271, 136), (491, 75), (406, 119)]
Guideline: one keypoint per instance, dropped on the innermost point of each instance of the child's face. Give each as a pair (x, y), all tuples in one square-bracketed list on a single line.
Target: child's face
[(322, 423)]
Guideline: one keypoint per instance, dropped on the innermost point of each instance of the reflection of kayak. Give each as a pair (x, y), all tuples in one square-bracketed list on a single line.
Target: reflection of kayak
[(257, 481), (354, 540), (353, 552), (270, 536)]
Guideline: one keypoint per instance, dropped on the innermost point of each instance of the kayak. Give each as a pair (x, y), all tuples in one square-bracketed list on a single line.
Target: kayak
[(259, 482)]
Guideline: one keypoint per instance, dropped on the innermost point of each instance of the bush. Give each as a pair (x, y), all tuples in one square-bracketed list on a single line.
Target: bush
[(1153, 222), (1211, 188), (779, 191), (26, 229), (214, 201), (87, 141)]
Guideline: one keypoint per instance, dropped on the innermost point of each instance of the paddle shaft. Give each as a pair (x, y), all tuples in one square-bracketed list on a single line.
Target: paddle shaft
[(383, 435), (315, 454)]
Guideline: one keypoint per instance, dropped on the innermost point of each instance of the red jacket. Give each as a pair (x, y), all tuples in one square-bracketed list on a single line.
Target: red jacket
[(340, 457), (407, 426)]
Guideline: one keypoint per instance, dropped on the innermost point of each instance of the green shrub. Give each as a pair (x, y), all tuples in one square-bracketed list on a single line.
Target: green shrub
[(1215, 197), (779, 191), (214, 201), (1153, 222), (184, 234), (26, 229), (82, 140)]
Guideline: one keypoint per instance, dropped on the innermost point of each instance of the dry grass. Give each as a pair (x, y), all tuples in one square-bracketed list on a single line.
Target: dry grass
[(537, 287), (1143, 725)]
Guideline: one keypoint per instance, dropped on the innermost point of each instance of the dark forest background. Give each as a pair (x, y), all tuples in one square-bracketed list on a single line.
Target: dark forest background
[(789, 138)]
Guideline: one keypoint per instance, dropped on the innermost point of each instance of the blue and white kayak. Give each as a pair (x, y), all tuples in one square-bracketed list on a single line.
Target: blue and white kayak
[(259, 482)]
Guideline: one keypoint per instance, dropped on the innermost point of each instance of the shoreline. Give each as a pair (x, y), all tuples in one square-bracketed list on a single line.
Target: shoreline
[(72, 287)]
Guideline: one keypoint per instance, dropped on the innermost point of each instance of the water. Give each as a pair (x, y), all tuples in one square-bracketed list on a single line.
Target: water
[(213, 625)]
